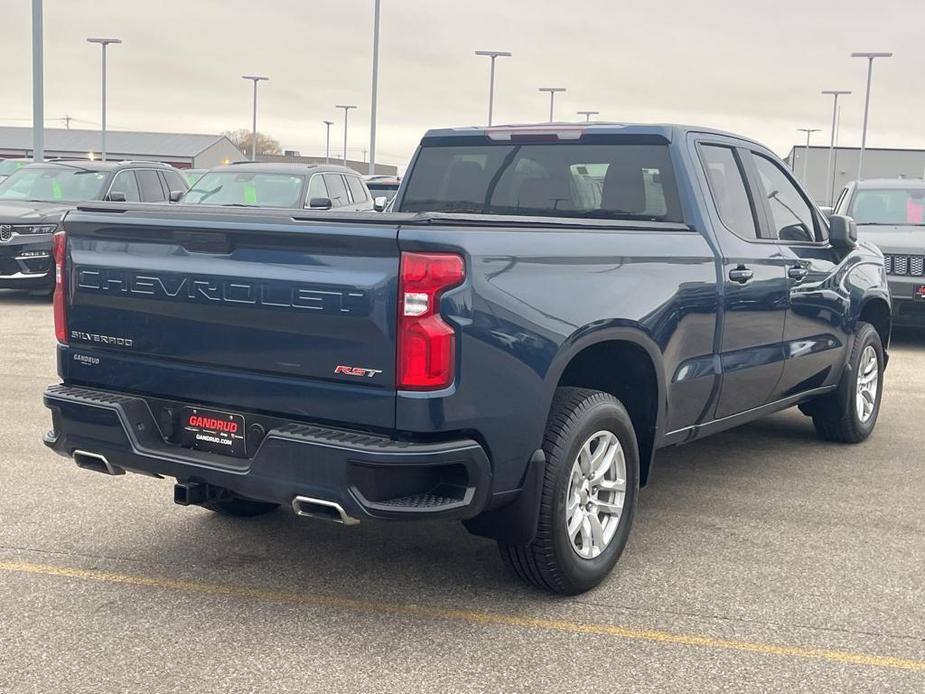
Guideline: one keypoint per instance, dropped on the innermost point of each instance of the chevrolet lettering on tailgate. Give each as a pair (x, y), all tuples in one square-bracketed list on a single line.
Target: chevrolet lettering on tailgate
[(220, 290)]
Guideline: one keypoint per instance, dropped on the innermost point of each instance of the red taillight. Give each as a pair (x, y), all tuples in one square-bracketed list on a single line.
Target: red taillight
[(59, 251), (426, 343)]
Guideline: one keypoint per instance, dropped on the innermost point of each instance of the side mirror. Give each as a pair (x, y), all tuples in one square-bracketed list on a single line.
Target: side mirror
[(175, 195), (843, 232), (320, 204), (116, 196), (379, 203), (827, 211)]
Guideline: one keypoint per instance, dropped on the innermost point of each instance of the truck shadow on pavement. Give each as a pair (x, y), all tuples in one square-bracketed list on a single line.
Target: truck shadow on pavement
[(439, 560)]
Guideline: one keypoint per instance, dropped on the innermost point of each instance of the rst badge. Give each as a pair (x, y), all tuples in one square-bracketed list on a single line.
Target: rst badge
[(356, 371)]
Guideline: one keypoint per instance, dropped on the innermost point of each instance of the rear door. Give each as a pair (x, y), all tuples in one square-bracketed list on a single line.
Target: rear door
[(249, 311), (755, 283)]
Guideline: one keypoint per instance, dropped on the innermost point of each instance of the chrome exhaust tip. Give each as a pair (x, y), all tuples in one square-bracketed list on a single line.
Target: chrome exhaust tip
[(322, 509), (96, 462)]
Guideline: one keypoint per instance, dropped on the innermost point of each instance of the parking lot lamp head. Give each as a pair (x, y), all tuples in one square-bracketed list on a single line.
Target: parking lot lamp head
[(552, 99), (588, 114)]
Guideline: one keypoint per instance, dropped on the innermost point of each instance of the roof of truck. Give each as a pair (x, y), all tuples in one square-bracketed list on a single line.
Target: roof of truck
[(669, 131)]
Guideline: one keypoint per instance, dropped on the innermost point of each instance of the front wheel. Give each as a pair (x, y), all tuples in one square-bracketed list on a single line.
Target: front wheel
[(850, 414), (589, 494)]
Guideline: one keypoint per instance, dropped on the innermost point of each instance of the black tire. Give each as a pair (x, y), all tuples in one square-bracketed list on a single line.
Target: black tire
[(240, 508), (549, 562), (836, 418)]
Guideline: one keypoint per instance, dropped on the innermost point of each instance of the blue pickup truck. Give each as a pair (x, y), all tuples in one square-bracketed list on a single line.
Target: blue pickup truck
[(546, 307)]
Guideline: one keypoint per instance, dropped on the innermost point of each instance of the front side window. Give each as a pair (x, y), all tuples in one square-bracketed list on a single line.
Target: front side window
[(246, 189), (337, 190), (792, 218), (595, 181), (889, 206), (125, 183), (727, 186), (150, 184), (53, 184), (316, 188), (357, 191)]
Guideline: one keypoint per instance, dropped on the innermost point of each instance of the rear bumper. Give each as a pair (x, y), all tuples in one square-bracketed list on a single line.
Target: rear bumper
[(369, 476)]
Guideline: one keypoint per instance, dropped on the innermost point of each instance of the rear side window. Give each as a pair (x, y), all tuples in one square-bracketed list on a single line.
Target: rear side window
[(727, 185), (594, 181), (150, 184), (337, 191), (356, 189)]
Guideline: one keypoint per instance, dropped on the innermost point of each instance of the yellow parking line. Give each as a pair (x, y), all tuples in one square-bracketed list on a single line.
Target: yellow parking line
[(470, 616)]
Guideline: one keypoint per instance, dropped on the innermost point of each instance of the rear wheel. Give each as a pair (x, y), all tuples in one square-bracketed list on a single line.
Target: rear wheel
[(589, 494), (240, 508), (850, 414)]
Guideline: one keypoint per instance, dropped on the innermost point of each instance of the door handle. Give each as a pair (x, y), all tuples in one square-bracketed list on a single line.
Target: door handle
[(797, 272), (741, 274)]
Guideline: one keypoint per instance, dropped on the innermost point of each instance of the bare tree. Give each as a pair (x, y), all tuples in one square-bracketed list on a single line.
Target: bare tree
[(242, 140)]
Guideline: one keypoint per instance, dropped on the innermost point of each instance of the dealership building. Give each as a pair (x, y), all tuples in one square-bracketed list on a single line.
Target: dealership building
[(878, 163), (183, 150)]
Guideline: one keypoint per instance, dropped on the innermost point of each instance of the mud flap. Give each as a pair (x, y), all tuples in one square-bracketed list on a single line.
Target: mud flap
[(515, 523)]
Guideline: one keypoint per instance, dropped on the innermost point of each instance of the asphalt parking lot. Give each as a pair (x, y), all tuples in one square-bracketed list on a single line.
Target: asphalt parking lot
[(760, 559)]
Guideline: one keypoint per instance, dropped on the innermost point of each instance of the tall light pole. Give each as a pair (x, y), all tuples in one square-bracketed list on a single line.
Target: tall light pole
[(491, 80), (372, 110), (870, 55), (588, 114), (104, 43), (255, 79), (552, 99), (327, 141), (808, 131), (38, 84), (829, 171), (346, 111)]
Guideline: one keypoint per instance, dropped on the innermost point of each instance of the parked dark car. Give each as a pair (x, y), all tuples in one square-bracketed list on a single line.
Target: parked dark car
[(891, 214), (549, 306), (255, 184), (34, 198)]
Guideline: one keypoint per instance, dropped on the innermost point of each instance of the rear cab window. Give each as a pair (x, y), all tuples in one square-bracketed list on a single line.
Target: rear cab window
[(612, 177)]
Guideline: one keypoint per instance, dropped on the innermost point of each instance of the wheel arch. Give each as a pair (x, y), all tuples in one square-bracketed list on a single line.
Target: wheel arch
[(876, 310), (591, 359)]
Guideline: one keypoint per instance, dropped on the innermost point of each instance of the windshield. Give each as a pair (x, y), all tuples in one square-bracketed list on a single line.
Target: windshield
[(245, 189), (889, 206), (601, 181), (8, 166), (53, 184)]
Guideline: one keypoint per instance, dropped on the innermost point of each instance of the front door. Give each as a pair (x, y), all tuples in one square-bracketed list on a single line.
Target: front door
[(755, 282), (814, 335)]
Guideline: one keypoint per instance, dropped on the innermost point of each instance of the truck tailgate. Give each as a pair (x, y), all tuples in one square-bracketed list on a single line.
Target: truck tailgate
[(250, 311)]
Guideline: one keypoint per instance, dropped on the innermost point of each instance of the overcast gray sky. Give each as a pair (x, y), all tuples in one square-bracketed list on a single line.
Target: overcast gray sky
[(752, 67)]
